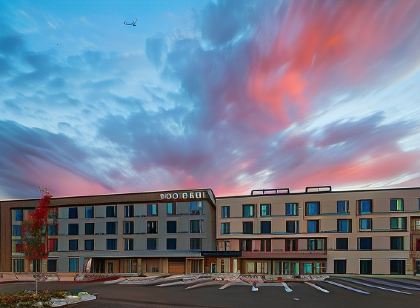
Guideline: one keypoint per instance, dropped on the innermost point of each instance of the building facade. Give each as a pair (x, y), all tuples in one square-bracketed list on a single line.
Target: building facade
[(320, 231), (130, 233), (272, 232)]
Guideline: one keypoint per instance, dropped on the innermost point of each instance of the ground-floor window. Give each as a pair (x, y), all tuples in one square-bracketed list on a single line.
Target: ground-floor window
[(340, 266), (256, 267), (366, 267), (417, 266), (153, 265), (397, 267), (307, 268), (73, 265), (196, 266), (36, 266), (18, 265), (52, 265), (129, 266)]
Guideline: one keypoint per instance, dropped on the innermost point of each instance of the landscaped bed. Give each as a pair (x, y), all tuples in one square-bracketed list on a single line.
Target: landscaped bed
[(44, 298)]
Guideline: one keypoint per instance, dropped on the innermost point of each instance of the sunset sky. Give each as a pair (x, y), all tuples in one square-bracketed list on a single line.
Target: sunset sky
[(230, 95)]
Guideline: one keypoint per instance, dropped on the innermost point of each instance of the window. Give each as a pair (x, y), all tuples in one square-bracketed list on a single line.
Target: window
[(196, 207), (364, 243), (340, 266), (111, 211), (265, 210), (111, 227), (247, 227), (73, 229), (341, 243), (398, 223), (89, 212), (152, 209), (397, 243), (265, 227), (291, 209), (18, 214), (225, 210), (17, 246), (53, 213), (52, 265), (52, 244), (246, 245), (89, 244), (195, 243), (73, 245), (313, 226), (312, 208), (397, 267), (307, 268), (89, 228), (111, 244), (365, 206), (128, 244), (344, 225), (73, 265), (170, 208), (171, 243), (195, 226), (225, 228), (265, 245), (291, 244), (18, 265), (171, 227), (417, 225), (53, 229), (152, 227), (16, 230), (365, 224), (129, 210), (128, 227), (292, 226), (151, 244), (366, 267), (36, 266), (248, 210), (73, 213), (316, 244), (397, 205), (342, 206)]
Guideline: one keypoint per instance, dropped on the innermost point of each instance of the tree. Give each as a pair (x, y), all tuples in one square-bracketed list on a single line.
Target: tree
[(34, 233)]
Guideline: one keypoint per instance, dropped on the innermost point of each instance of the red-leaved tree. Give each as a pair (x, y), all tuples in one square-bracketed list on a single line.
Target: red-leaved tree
[(34, 231)]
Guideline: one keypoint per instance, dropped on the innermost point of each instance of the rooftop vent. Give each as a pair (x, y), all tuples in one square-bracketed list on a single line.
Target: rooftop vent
[(273, 191), (313, 189)]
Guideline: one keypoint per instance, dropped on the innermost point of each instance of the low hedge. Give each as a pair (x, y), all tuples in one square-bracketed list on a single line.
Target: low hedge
[(30, 299)]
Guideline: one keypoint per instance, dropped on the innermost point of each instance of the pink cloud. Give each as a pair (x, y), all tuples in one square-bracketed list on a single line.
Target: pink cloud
[(324, 45)]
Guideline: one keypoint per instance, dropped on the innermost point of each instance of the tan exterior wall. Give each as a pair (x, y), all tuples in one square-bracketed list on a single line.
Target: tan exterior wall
[(380, 233)]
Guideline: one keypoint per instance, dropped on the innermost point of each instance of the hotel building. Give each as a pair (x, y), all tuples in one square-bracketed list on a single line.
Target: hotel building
[(272, 232), (126, 233)]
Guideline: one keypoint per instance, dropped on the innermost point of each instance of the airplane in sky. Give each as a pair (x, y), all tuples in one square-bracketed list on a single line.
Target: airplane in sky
[(133, 23)]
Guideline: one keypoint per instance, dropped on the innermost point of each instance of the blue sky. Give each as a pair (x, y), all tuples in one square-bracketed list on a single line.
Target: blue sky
[(232, 95)]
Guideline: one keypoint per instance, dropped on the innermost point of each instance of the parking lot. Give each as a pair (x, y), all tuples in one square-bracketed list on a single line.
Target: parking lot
[(335, 292)]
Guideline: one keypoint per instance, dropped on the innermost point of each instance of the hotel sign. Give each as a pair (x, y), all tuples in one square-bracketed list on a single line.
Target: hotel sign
[(183, 195)]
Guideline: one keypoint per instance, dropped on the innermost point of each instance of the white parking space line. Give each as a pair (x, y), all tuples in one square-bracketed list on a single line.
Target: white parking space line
[(346, 287), (375, 286), (317, 287), (392, 284), (286, 287), (408, 281)]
